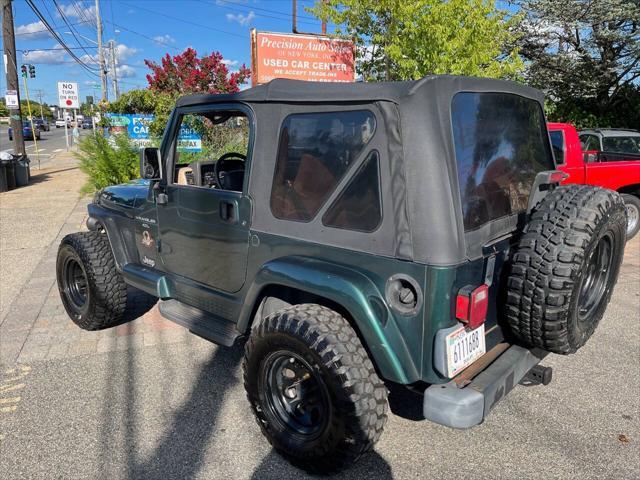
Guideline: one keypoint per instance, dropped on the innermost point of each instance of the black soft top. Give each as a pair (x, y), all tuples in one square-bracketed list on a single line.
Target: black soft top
[(298, 91), (416, 136)]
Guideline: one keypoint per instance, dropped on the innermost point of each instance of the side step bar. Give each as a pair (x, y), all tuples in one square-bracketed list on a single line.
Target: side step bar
[(204, 324), (453, 405)]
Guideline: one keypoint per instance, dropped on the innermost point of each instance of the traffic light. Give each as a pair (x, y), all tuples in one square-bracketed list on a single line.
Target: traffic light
[(23, 69), (32, 71)]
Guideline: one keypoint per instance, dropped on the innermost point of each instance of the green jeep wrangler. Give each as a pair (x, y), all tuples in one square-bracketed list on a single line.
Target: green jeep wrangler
[(359, 237)]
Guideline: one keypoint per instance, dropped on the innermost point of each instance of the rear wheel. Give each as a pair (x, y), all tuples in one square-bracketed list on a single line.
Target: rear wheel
[(313, 388), (565, 267), (92, 290), (632, 203)]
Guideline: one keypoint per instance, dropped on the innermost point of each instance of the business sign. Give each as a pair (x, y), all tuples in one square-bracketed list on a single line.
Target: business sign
[(136, 126), (68, 95), (189, 140), (11, 99), (301, 57)]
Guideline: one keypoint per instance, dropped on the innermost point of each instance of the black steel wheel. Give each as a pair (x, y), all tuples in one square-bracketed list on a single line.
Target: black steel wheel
[(632, 203), (595, 278), (313, 388), (296, 396), (565, 267), (74, 284), (92, 290)]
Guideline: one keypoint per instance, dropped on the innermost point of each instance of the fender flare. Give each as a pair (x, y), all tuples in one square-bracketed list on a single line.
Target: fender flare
[(350, 289), (118, 228)]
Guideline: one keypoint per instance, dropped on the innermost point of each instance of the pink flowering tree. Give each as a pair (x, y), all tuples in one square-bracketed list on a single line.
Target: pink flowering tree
[(185, 73)]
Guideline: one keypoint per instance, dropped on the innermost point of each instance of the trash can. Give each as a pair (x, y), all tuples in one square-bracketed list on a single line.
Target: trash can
[(10, 168), (3, 176), (22, 170)]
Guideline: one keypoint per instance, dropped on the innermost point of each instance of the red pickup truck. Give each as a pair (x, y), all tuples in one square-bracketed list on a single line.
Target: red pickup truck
[(601, 163)]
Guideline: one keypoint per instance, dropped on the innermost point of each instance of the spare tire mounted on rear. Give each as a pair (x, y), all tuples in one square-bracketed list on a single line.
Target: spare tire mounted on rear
[(565, 267)]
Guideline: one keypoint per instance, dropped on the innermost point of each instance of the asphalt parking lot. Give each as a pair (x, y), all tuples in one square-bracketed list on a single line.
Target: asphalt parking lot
[(148, 400)]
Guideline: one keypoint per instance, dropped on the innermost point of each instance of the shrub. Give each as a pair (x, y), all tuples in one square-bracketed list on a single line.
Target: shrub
[(107, 161)]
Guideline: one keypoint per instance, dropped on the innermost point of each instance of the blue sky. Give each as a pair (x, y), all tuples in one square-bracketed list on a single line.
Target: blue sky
[(142, 29)]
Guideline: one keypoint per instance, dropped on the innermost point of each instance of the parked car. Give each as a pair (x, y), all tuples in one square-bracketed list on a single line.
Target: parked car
[(41, 124), (617, 167), (611, 144), (355, 234), (60, 122), (86, 123), (27, 132)]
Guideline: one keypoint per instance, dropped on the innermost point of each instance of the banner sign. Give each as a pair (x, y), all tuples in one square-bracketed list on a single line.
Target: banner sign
[(301, 57), (137, 127), (11, 99)]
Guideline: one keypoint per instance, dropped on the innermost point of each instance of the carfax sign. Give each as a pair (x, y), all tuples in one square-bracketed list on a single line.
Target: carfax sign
[(137, 127)]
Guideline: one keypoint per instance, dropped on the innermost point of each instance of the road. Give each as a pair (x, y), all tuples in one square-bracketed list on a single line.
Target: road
[(148, 400), (50, 144)]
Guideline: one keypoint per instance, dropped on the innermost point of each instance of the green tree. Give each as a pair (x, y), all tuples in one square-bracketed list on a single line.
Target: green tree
[(585, 54), (407, 40), (135, 101)]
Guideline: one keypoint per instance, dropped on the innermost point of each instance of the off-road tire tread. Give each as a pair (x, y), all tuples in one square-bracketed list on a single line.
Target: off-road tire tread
[(107, 287), (331, 336), (548, 260)]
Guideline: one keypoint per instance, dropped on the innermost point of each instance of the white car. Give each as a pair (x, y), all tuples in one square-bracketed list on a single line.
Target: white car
[(61, 122)]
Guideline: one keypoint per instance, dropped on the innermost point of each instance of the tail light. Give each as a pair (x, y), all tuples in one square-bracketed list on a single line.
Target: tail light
[(472, 304)]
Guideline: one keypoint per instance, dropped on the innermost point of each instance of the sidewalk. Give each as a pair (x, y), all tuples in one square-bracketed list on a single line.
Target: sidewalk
[(33, 323)]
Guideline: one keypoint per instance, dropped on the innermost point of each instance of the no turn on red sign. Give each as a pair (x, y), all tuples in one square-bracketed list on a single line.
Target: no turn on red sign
[(68, 96)]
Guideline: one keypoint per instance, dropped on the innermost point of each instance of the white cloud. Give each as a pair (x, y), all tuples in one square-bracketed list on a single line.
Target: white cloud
[(32, 31), (80, 11), (164, 39), (91, 59), (124, 52), (125, 71), (230, 63), (240, 18), (51, 57)]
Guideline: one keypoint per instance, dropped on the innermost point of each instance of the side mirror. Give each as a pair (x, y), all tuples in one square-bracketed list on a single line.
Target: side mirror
[(150, 163), (591, 157)]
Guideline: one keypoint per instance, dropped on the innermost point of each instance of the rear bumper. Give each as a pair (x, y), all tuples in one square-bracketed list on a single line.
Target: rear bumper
[(463, 407)]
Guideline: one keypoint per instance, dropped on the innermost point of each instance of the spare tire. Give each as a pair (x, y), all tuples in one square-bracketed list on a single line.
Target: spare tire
[(565, 267)]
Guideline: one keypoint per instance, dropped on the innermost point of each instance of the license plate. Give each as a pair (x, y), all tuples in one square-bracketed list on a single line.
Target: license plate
[(463, 348)]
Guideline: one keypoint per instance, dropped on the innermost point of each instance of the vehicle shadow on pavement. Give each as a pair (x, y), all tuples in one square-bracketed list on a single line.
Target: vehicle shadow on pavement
[(180, 451), (371, 465)]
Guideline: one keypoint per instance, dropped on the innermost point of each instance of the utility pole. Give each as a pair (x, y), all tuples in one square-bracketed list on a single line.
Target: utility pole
[(9, 41), (39, 94), (114, 72), (103, 70)]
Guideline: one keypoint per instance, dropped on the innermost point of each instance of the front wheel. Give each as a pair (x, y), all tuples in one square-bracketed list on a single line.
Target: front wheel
[(92, 290), (313, 388)]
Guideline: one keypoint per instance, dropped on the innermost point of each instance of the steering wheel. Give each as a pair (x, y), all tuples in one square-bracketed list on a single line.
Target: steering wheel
[(221, 172)]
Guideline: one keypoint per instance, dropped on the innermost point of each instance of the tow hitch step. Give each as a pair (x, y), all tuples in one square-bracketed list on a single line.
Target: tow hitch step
[(540, 375)]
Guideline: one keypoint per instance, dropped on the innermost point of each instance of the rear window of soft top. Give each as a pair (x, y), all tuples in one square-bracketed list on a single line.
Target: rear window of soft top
[(501, 144)]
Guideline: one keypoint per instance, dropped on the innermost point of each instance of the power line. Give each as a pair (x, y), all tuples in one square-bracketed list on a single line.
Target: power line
[(71, 29), (143, 35), (57, 37), (188, 22), (35, 32), (27, 50), (234, 6)]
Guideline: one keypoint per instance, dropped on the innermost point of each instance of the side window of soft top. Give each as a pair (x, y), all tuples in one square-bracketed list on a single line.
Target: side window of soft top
[(315, 151)]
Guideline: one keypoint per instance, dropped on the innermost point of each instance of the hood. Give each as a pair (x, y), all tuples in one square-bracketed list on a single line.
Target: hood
[(126, 196)]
